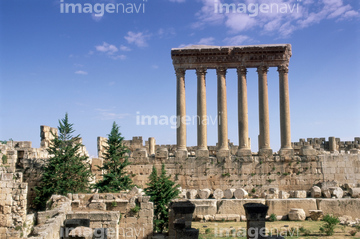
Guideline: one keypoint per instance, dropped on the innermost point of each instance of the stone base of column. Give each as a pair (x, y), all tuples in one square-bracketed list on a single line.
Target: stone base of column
[(286, 152), (223, 154), (266, 152), (243, 152), (202, 153), (181, 154)]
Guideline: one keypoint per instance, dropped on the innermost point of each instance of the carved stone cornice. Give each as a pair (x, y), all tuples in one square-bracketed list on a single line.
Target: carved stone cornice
[(201, 71), (242, 70), (231, 57), (263, 69), (180, 71), (221, 70), (284, 69)]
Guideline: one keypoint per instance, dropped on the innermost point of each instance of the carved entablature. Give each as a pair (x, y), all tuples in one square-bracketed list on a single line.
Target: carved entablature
[(231, 57)]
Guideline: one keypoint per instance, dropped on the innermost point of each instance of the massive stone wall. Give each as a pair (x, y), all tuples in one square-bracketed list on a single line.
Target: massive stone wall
[(259, 174), (316, 160)]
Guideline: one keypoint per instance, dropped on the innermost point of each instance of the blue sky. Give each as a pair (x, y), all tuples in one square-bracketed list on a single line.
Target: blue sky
[(108, 68)]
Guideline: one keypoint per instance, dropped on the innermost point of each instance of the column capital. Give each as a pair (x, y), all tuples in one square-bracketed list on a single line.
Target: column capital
[(283, 69), (262, 69), (180, 71), (221, 70), (201, 71), (242, 70)]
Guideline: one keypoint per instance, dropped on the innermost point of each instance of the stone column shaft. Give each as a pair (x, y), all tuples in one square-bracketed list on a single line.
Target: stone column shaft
[(201, 110), (222, 109), (284, 108), (180, 110), (264, 139), (244, 147)]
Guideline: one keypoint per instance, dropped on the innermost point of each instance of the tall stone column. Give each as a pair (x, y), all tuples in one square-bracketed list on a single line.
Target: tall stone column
[(202, 150), (264, 139), (286, 148), (244, 147), (223, 145), (181, 151)]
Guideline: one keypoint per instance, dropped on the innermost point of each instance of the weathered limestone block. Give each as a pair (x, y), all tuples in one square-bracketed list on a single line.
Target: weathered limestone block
[(198, 218), (316, 215), (337, 192), (191, 194), (204, 193), (231, 206), (326, 193), (340, 207), (204, 206), (162, 153), (355, 192), (240, 193), (298, 194), (218, 194), (97, 206), (283, 206), (297, 214), (315, 192), (229, 193), (273, 190), (284, 195), (208, 218)]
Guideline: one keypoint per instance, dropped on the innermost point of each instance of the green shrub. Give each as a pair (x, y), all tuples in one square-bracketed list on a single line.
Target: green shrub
[(304, 231), (329, 225), (136, 209), (114, 204), (272, 217), (207, 231), (253, 190), (4, 159)]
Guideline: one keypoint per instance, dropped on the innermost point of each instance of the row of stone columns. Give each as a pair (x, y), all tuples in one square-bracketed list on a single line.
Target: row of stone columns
[(264, 126)]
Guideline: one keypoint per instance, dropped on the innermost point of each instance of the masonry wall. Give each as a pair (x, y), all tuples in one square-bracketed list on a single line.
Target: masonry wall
[(299, 173), (12, 204)]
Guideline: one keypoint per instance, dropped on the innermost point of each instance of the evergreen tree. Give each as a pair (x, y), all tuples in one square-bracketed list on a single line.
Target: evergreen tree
[(161, 191), (66, 171), (114, 178)]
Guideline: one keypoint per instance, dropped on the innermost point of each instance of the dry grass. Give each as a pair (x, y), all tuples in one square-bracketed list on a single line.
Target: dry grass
[(219, 229)]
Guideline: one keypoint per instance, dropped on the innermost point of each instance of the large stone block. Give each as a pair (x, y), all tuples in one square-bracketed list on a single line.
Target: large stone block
[(218, 194), (297, 214), (240, 193), (355, 192), (340, 207), (283, 206), (204, 206), (235, 206), (315, 192)]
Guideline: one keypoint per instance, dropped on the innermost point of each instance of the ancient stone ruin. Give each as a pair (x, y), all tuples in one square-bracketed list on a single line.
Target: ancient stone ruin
[(305, 179)]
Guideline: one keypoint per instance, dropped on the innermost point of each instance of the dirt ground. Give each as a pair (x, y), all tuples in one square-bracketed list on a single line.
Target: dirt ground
[(211, 230)]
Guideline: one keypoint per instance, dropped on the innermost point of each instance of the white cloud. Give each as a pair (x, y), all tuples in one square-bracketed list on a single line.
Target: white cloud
[(282, 18), (177, 1), (202, 41), (137, 38), (81, 72), (108, 114), (206, 41), (236, 40), (107, 48), (124, 48), (118, 57)]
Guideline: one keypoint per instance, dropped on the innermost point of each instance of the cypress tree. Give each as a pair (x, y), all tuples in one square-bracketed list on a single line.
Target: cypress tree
[(66, 171), (114, 175), (161, 191)]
